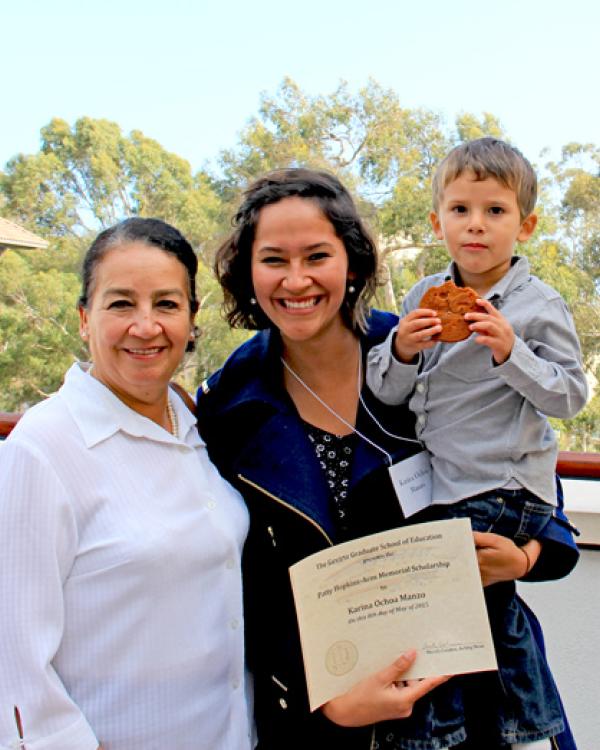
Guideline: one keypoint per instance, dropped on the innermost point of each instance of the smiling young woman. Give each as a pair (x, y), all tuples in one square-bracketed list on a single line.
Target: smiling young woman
[(300, 270), (288, 422)]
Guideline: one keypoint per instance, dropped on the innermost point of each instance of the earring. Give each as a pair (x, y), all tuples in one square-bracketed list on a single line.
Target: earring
[(351, 289), (84, 334), (252, 300)]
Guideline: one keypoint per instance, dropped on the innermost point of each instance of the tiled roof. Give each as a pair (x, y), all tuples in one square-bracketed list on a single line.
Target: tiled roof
[(12, 235)]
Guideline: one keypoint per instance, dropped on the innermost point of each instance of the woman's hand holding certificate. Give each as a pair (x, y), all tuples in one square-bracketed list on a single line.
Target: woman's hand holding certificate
[(362, 602), (381, 697)]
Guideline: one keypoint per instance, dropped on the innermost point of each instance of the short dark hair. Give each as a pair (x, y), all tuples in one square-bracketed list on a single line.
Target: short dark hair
[(233, 258), (489, 157), (152, 232)]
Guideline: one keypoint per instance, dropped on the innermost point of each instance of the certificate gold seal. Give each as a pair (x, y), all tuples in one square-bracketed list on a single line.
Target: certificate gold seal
[(341, 658)]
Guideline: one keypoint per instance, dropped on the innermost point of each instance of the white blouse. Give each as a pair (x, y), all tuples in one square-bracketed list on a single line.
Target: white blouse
[(120, 583)]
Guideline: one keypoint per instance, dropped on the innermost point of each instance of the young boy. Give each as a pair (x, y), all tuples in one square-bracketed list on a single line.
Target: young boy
[(482, 403)]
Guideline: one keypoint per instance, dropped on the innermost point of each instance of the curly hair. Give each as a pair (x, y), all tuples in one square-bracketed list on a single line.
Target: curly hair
[(233, 258)]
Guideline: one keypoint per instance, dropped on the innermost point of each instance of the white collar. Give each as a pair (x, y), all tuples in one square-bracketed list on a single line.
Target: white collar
[(99, 413)]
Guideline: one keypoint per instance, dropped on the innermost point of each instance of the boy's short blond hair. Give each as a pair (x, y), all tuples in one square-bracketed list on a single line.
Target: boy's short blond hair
[(489, 157)]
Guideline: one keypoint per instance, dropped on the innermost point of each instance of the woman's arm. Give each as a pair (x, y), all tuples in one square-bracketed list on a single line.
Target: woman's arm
[(552, 556), (38, 541), (381, 697), (500, 559)]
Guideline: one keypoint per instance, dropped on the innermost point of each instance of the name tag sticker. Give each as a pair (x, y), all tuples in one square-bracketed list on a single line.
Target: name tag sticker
[(412, 482)]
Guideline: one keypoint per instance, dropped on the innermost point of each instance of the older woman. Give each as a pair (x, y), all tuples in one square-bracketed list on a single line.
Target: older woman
[(121, 618), (287, 420)]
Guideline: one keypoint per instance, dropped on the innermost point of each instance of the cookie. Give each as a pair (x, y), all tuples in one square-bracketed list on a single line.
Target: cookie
[(451, 302)]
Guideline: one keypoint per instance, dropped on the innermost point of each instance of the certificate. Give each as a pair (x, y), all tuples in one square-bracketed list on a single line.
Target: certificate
[(362, 603)]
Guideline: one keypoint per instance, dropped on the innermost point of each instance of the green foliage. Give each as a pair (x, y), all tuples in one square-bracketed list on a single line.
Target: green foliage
[(38, 330), (468, 127), (215, 340), (577, 176), (89, 175), (582, 432), (387, 153)]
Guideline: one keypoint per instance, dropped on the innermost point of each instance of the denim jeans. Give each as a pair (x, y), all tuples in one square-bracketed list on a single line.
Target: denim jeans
[(516, 514), (520, 702)]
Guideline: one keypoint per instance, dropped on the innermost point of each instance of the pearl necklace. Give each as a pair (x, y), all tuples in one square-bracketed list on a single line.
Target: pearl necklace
[(172, 419)]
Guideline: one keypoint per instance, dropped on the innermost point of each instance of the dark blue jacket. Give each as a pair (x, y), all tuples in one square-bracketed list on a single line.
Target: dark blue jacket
[(257, 440)]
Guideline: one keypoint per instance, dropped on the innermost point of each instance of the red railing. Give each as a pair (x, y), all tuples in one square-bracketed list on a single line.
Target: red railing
[(582, 465), (7, 422)]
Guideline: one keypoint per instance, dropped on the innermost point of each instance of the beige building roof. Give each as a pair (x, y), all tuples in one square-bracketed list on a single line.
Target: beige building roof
[(12, 235)]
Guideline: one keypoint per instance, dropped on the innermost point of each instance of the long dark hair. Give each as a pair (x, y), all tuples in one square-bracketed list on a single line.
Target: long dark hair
[(233, 258)]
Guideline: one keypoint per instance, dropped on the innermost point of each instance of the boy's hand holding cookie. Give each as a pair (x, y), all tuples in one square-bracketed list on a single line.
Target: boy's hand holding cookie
[(449, 303), (415, 333), (493, 330)]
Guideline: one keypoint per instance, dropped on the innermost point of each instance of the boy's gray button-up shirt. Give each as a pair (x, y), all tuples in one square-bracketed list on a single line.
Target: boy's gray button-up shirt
[(485, 424)]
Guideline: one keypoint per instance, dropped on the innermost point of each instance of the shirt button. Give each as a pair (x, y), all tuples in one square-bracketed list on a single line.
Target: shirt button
[(234, 624), (283, 703), (229, 564), (236, 684), (211, 505), (420, 388)]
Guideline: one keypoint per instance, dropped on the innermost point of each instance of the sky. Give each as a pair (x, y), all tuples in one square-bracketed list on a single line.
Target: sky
[(189, 73)]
